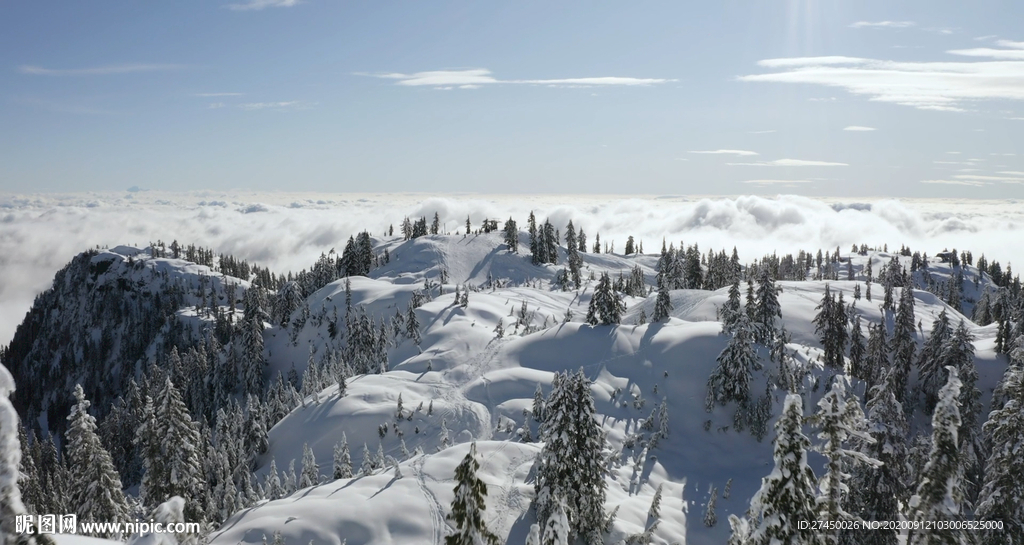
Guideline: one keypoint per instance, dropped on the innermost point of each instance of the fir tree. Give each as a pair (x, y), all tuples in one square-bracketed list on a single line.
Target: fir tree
[(830, 325), (1002, 494), (557, 530), (606, 307), (931, 368), (573, 259), (729, 314), (767, 308), (787, 494), (95, 488), (172, 441), (468, 507), (710, 517), (938, 497), (310, 475), (511, 235), (903, 344), (663, 304), (858, 362), (876, 493), (571, 464), (730, 380)]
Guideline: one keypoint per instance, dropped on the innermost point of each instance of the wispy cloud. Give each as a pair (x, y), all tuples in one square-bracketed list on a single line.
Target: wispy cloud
[(883, 24), (1003, 54), (790, 163), (727, 152), (98, 70), (1009, 43), (776, 182), (283, 105), (924, 85), (858, 128), (262, 4), (475, 78), (971, 183), (1012, 172), (990, 178)]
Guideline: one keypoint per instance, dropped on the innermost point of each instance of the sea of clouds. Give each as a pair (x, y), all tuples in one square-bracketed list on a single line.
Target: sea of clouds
[(39, 234)]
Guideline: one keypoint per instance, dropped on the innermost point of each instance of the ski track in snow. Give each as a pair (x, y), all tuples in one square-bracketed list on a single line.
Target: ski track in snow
[(437, 521)]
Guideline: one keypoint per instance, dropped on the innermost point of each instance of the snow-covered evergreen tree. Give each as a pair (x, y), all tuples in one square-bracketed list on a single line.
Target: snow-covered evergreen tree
[(468, 507), (931, 373), (95, 487), (858, 363), (1002, 493), (730, 313), (172, 442), (938, 497), (571, 465), (310, 475), (839, 419), (557, 530), (342, 459), (876, 492), (663, 303), (730, 380), (768, 308), (510, 235), (606, 306), (787, 494), (710, 517), (903, 343), (830, 325), (573, 259)]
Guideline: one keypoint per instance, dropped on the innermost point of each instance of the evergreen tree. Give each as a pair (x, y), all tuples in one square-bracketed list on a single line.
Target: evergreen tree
[(172, 442), (876, 492), (768, 307), (931, 368), (1002, 495), (435, 226), (606, 306), (468, 506), (95, 488), (858, 362), (571, 466), (253, 361), (663, 304), (511, 235), (531, 225), (710, 517), (412, 325), (573, 259), (839, 419), (830, 325), (272, 486), (787, 494), (877, 356), (959, 353), (730, 314), (938, 497), (730, 380), (903, 344), (310, 475)]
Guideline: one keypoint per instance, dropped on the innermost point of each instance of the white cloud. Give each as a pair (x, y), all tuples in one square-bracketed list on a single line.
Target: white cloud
[(291, 104), (1008, 43), (924, 85), (776, 182), (858, 128), (986, 38), (971, 183), (991, 178), (262, 4), (474, 78), (790, 163), (40, 233), (98, 70), (727, 152), (1011, 172), (883, 24), (1004, 54), (215, 105)]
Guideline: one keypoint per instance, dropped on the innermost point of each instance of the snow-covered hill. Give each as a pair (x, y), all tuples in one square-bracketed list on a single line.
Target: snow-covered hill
[(479, 385)]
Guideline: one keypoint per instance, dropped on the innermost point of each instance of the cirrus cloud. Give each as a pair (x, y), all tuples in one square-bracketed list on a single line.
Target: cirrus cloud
[(474, 78), (790, 163)]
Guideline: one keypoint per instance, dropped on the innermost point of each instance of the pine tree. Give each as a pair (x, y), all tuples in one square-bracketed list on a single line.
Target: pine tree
[(787, 494), (710, 518), (172, 442), (730, 314), (876, 493), (959, 353), (1002, 494), (931, 368), (95, 488), (730, 380), (310, 475), (858, 362), (573, 259), (557, 530), (435, 226), (511, 235), (938, 497), (534, 241), (767, 307), (272, 486), (342, 459), (253, 361), (839, 419), (606, 307), (571, 464), (877, 356), (412, 325), (468, 506), (663, 304), (903, 344)]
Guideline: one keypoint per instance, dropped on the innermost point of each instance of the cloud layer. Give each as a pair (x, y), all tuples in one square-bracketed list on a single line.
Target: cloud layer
[(948, 86), (475, 78), (39, 234)]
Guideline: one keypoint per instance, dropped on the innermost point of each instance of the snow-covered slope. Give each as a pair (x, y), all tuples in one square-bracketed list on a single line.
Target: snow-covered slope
[(479, 386)]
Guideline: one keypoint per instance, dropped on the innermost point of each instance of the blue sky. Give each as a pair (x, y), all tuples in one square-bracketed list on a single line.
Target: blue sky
[(530, 97)]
